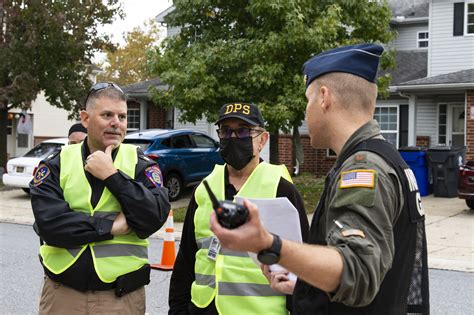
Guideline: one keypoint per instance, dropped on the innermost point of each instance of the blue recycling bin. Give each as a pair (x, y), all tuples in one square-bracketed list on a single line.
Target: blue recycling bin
[(415, 157)]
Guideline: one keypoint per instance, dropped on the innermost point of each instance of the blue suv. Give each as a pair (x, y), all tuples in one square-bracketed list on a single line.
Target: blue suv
[(185, 157)]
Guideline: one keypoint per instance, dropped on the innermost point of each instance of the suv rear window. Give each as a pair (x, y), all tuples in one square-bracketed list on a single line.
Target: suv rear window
[(178, 142), (142, 143), (42, 150), (203, 141)]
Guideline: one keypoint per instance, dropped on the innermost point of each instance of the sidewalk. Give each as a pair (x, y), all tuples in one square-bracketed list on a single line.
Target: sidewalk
[(449, 227)]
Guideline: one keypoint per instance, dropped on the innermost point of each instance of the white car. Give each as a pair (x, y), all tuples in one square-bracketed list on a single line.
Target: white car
[(20, 170)]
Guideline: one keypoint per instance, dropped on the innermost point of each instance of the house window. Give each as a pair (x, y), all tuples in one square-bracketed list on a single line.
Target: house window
[(133, 119), (469, 17), (330, 153), (422, 39), (387, 117), (23, 140), (442, 123)]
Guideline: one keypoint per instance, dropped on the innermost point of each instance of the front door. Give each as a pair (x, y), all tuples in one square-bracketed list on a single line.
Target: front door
[(451, 122), (456, 129)]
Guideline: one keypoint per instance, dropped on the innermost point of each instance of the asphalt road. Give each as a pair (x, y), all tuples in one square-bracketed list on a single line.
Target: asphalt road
[(452, 292)]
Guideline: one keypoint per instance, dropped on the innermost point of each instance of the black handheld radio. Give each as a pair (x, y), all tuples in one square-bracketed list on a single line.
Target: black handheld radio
[(229, 214)]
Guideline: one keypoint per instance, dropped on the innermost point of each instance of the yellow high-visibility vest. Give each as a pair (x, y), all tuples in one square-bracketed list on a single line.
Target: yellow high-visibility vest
[(234, 280), (112, 258)]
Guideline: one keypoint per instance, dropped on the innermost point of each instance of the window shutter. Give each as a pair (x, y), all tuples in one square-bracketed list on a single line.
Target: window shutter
[(458, 25)]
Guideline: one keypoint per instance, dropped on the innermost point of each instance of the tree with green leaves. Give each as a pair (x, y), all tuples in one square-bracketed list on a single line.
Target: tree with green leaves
[(242, 50), (47, 46), (128, 64)]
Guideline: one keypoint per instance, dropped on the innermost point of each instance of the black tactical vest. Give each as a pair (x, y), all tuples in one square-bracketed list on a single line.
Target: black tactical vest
[(404, 289)]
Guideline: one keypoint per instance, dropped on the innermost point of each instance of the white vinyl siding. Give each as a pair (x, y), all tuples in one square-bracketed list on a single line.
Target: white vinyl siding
[(447, 53), (200, 125), (426, 119), (172, 31), (407, 36), (303, 129)]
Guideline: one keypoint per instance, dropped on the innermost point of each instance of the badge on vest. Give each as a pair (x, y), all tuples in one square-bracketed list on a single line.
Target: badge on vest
[(41, 173), (214, 248), (153, 173)]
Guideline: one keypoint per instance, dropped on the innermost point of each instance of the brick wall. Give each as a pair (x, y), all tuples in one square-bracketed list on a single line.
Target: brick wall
[(470, 125), (285, 149), (315, 161), (423, 141), (133, 104), (156, 116), (324, 162)]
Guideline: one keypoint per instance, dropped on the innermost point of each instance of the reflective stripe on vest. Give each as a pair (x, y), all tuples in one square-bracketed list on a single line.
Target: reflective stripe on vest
[(234, 280), (112, 258)]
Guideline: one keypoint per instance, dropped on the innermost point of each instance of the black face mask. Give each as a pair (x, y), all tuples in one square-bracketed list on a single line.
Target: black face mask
[(237, 152)]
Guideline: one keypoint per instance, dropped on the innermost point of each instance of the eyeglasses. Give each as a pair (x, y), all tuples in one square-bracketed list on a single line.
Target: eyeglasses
[(241, 132), (102, 86)]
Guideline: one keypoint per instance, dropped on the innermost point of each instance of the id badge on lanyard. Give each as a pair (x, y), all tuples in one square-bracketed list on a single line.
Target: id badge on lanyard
[(214, 248)]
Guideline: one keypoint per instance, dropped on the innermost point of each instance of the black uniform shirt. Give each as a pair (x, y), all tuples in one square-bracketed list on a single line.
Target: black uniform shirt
[(144, 203), (183, 271)]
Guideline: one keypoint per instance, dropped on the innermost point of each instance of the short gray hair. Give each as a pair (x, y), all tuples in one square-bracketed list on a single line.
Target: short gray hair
[(109, 92)]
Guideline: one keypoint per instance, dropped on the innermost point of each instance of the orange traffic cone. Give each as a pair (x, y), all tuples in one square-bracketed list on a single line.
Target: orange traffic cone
[(168, 254)]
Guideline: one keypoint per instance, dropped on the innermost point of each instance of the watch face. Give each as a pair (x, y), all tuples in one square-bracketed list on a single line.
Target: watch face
[(267, 258)]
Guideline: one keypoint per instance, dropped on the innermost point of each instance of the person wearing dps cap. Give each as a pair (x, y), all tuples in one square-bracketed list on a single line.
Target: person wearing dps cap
[(210, 280), (367, 246), (77, 133)]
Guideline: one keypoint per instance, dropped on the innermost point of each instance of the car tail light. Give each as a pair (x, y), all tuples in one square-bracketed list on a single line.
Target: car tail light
[(153, 156)]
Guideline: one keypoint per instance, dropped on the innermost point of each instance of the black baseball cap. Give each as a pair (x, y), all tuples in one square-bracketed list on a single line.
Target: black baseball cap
[(245, 111), (77, 127)]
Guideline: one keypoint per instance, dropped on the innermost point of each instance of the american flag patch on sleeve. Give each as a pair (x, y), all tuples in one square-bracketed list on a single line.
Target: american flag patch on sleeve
[(358, 178)]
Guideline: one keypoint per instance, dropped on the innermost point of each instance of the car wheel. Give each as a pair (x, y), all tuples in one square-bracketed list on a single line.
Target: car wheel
[(470, 203), (27, 190), (174, 184)]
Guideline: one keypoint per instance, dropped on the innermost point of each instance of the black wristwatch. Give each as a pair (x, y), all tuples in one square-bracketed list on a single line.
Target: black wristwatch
[(272, 255)]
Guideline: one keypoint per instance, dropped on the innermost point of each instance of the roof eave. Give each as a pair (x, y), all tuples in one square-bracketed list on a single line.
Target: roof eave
[(409, 20), (139, 94), (443, 86)]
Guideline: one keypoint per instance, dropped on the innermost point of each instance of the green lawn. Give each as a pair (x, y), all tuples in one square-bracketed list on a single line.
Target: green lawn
[(179, 214), (309, 186)]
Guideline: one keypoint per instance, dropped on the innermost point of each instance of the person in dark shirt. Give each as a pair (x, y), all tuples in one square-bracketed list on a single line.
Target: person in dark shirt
[(95, 204), (200, 266)]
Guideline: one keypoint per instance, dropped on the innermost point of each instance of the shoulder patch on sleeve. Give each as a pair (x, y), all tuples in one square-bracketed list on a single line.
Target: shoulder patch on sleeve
[(42, 172), (360, 157), (353, 232), (358, 178), (153, 173)]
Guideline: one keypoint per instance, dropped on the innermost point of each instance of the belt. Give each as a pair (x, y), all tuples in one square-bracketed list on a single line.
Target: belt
[(82, 286)]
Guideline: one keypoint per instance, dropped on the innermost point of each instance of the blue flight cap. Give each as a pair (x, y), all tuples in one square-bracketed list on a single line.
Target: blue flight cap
[(361, 60)]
